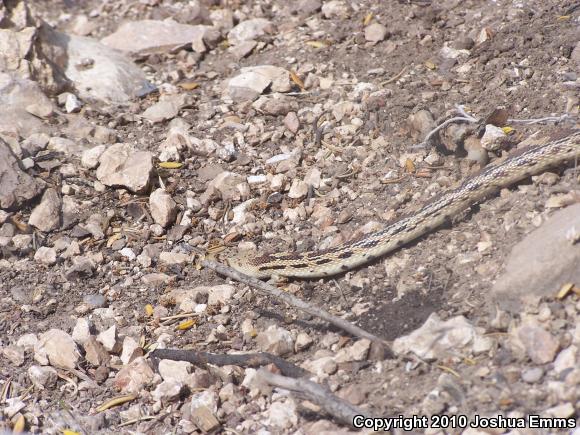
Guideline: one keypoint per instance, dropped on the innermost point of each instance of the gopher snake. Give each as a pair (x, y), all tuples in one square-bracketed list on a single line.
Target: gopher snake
[(315, 264)]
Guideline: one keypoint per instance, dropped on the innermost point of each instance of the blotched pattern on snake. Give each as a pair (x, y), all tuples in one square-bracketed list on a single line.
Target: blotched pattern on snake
[(314, 264)]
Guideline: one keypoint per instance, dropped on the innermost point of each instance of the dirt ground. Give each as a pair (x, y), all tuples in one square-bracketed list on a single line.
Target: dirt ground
[(519, 58)]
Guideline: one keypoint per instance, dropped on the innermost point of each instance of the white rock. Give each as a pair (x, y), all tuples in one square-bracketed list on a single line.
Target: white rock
[(163, 207), (179, 371), (58, 348), (279, 77), (298, 189), (27, 341), (42, 376), (275, 340), (90, 157), (122, 165), (438, 339), (249, 29), (567, 359), (220, 294), (358, 351), (45, 255), (247, 86), (72, 104), (128, 253), (81, 331), (282, 414), (375, 32), (493, 138), (171, 258), (108, 339), (46, 216), (166, 108), (303, 341), (129, 347), (134, 376), (167, 391), (335, 9)]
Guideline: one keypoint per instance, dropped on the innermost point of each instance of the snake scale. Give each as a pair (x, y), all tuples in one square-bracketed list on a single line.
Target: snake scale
[(553, 151)]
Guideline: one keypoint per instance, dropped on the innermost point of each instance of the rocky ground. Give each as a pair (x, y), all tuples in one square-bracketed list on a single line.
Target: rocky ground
[(135, 135)]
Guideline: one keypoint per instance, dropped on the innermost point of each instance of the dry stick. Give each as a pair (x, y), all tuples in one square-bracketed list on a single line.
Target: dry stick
[(270, 290), (242, 359), (336, 407)]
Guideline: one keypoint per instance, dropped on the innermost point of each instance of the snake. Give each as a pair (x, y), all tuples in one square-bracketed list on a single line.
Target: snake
[(553, 150)]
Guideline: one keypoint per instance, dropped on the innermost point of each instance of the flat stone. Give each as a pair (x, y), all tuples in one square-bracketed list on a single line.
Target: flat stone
[(45, 255), (123, 166), (163, 207), (16, 186), (97, 71), (275, 340), (541, 263), (247, 86), (166, 108), (57, 348), (539, 344), (439, 339), (375, 32), (154, 36), (46, 216), (134, 376), (249, 29), (90, 157)]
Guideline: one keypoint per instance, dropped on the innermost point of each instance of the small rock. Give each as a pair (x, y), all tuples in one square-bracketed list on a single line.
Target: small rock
[(493, 138), (123, 166), (564, 410), (275, 340), (247, 86), (45, 255), (282, 414), (163, 207), (95, 353), (375, 32), (82, 330), (298, 189), (291, 122), (134, 376), (14, 354), (72, 104), (90, 158), (130, 346), (167, 391), (166, 108), (356, 352), (57, 348), (336, 9), (34, 143), (532, 375), (171, 258), (422, 122), (566, 359), (42, 377), (437, 339), (46, 216), (179, 371), (249, 29), (108, 339), (539, 344), (541, 263), (303, 341)]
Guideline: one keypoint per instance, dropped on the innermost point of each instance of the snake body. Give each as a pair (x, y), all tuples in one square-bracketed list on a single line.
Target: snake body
[(315, 264)]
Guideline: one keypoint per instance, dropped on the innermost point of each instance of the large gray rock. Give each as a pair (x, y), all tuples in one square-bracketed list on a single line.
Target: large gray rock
[(541, 263), (16, 186), (97, 71), (20, 100), (152, 36)]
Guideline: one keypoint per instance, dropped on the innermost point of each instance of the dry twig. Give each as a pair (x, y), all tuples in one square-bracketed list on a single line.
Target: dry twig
[(243, 360), (336, 407), (270, 290)]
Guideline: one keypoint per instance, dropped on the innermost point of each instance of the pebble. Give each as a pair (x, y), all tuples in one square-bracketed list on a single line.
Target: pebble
[(275, 340), (46, 216), (57, 348), (123, 166), (45, 255), (540, 345), (163, 207), (532, 375), (248, 30), (42, 377), (375, 32)]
